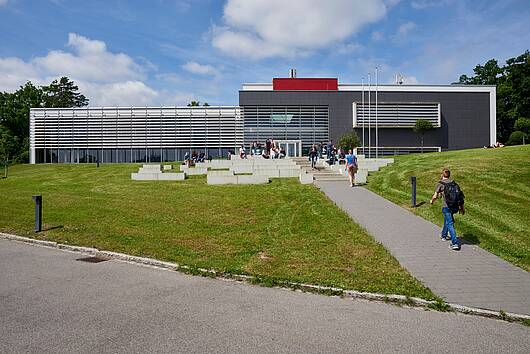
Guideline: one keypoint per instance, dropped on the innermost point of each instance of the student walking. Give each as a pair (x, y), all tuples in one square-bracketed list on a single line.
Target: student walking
[(351, 166), (452, 203), (313, 156)]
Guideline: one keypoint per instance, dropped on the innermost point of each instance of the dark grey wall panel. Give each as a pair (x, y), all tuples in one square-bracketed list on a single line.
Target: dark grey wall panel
[(465, 116)]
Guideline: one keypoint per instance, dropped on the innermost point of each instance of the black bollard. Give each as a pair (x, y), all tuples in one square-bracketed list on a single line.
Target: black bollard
[(38, 212), (413, 196)]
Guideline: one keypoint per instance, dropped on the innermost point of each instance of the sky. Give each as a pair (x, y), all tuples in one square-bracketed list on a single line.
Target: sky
[(169, 52)]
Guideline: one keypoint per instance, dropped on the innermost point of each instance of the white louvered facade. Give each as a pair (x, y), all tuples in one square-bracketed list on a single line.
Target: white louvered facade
[(395, 115), (117, 134)]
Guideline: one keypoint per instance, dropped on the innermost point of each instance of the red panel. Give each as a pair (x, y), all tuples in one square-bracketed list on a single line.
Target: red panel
[(305, 84)]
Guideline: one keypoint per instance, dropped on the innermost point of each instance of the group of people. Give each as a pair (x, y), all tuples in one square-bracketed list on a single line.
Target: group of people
[(271, 150), (196, 157), (494, 146)]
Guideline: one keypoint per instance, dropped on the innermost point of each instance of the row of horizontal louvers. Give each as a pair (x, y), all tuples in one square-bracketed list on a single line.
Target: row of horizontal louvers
[(136, 127), (310, 124), (396, 115)]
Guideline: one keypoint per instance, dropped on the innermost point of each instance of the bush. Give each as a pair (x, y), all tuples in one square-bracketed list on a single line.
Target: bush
[(516, 138), (523, 125), (349, 141)]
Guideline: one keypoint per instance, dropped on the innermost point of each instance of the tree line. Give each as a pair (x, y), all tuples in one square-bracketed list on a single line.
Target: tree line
[(14, 113)]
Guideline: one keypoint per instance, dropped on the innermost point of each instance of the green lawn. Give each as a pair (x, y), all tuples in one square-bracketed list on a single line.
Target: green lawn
[(496, 183), (279, 231)]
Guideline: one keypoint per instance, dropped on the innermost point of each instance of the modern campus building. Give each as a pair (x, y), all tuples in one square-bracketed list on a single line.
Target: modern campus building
[(297, 112)]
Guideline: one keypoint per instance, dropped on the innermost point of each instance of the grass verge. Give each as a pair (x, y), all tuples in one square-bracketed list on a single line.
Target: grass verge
[(496, 183), (282, 231)]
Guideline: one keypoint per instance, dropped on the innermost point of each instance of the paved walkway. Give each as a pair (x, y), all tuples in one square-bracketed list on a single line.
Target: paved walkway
[(51, 303), (472, 276)]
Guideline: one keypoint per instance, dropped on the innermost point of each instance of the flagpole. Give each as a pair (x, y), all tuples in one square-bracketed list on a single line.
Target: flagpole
[(369, 115), (364, 117), (376, 128)]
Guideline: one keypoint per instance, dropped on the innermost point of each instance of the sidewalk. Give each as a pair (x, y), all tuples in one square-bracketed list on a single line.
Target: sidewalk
[(471, 276)]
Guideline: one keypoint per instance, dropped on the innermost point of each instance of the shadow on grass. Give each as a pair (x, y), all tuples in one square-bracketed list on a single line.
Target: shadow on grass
[(469, 239), (53, 228)]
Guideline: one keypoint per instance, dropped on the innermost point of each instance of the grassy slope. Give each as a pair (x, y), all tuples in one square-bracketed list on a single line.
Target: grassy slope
[(496, 183), (282, 231)]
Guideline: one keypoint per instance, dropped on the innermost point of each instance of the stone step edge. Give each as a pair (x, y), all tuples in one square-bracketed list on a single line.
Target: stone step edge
[(344, 293)]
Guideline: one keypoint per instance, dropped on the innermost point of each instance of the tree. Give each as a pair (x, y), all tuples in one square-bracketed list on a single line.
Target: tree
[(516, 138), (349, 141), (197, 104), (14, 116), (8, 145), (522, 124), (15, 107), (63, 93), (421, 127)]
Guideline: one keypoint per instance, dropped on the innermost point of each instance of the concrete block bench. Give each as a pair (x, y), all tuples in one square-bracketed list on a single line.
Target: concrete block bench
[(271, 173), (154, 167), (220, 173), (212, 179), (241, 169), (145, 176), (171, 176), (252, 179), (194, 171), (292, 172), (157, 176), (306, 178)]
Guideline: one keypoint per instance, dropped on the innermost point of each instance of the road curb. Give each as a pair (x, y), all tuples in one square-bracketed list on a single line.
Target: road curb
[(351, 294)]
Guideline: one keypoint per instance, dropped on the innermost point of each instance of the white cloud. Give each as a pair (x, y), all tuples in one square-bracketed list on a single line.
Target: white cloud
[(128, 93), (106, 78), (424, 4), (3, 2), (391, 3), (90, 60), (277, 28), (406, 28), (349, 48), (377, 36), (196, 68)]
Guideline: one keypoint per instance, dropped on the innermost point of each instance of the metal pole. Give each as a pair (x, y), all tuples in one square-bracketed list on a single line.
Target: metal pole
[(369, 115), (364, 150), (38, 212), (376, 130), (413, 195)]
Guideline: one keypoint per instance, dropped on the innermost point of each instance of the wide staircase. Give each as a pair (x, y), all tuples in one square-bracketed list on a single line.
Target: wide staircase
[(322, 171)]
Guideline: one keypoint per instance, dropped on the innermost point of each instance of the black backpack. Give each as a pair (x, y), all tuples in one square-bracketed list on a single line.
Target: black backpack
[(453, 195)]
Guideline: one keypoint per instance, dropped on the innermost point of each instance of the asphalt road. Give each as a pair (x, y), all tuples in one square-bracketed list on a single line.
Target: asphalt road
[(49, 302)]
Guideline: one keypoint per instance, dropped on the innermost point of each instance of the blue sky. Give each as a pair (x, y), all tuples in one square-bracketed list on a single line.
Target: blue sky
[(168, 52)]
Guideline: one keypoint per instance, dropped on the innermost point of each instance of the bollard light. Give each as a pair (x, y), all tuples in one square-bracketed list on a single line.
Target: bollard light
[(38, 212), (413, 195)]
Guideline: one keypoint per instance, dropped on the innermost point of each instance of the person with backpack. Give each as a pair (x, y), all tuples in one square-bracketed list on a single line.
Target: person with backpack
[(452, 203), (313, 156), (351, 166)]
